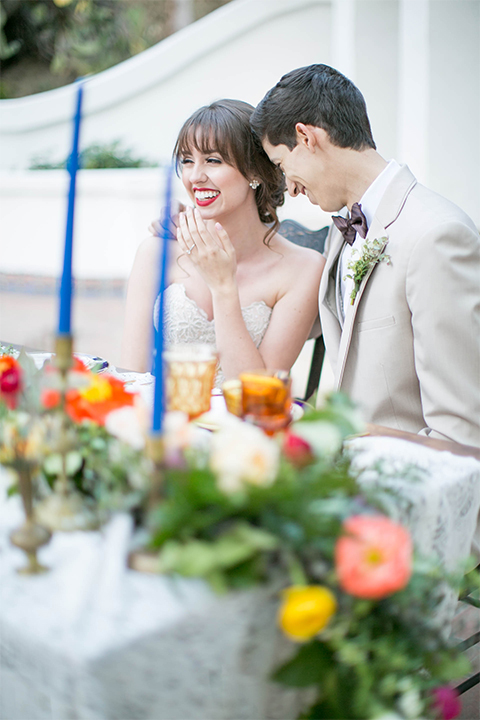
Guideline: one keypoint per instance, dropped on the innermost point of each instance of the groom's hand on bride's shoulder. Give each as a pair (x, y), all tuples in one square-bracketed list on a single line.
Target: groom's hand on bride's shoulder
[(155, 227)]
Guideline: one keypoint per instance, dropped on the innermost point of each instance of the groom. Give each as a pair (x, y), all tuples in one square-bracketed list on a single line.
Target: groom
[(400, 293)]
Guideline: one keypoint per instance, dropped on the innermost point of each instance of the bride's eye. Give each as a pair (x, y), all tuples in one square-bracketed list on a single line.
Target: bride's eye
[(185, 161), (214, 161)]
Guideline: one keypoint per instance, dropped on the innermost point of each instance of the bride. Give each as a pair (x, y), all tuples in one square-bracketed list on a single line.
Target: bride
[(233, 280)]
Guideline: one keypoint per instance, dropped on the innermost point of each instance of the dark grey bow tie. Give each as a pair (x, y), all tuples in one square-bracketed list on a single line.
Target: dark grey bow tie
[(349, 227)]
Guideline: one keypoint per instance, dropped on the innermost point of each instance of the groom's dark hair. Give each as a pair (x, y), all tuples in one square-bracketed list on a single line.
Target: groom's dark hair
[(316, 95)]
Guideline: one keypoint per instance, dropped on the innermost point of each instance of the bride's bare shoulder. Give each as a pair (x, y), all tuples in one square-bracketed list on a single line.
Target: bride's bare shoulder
[(296, 253), (149, 249)]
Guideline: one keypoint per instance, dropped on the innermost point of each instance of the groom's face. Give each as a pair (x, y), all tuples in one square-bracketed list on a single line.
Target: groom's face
[(295, 165)]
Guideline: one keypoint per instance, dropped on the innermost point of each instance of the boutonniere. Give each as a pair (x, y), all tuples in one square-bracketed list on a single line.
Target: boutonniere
[(372, 253)]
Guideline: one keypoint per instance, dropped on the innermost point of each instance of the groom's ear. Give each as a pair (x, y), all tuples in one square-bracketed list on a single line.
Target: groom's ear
[(306, 136), (311, 137)]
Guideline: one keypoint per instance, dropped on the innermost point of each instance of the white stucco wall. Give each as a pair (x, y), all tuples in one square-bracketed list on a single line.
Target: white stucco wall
[(112, 213), (238, 51)]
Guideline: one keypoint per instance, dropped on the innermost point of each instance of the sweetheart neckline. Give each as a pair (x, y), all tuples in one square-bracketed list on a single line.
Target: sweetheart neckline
[(203, 312)]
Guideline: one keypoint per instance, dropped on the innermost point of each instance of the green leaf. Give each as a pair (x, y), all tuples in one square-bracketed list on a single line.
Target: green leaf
[(308, 667), (53, 463)]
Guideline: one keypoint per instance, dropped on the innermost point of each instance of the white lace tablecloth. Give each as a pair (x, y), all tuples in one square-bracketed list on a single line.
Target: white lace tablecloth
[(436, 494), (92, 640)]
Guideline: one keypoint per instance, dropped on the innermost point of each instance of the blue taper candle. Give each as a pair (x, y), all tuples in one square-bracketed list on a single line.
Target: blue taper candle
[(65, 314), (158, 398)]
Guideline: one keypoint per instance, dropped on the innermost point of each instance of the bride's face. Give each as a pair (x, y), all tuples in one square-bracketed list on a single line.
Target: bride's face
[(216, 188)]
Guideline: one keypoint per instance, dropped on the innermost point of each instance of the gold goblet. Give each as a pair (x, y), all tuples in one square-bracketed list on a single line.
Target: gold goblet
[(189, 378)]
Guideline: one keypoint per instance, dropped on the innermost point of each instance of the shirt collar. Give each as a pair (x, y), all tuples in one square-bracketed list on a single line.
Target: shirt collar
[(373, 195)]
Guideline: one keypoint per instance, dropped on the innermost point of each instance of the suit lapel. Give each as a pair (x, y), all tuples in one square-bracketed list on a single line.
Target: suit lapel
[(377, 230), (388, 211), (328, 286), (331, 325)]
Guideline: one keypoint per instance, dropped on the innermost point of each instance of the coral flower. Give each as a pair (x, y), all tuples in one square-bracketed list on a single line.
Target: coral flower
[(447, 702), (305, 611), (374, 558), (10, 380), (97, 396), (93, 402)]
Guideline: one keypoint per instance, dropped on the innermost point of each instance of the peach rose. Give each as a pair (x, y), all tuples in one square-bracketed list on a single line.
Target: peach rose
[(374, 557)]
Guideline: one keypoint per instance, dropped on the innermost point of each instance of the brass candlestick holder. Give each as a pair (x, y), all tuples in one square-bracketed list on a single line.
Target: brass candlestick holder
[(65, 509), (144, 560), (30, 536), (156, 453)]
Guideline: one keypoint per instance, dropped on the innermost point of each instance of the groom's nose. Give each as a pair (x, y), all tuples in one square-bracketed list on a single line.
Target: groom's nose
[(292, 187)]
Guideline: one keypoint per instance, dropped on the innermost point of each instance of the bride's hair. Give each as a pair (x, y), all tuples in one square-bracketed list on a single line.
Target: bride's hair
[(224, 127)]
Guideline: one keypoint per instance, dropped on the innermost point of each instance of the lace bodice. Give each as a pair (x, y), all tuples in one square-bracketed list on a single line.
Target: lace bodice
[(186, 322)]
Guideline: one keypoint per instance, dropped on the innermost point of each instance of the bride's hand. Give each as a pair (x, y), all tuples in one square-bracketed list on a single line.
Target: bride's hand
[(209, 248)]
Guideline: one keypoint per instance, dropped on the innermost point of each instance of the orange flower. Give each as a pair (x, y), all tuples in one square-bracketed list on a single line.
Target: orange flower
[(94, 399), (10, 380), (305, 611), (374, 558), (93, 402)]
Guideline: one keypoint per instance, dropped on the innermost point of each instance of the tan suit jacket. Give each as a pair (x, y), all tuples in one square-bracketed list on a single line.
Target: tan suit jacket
[(408, 350)]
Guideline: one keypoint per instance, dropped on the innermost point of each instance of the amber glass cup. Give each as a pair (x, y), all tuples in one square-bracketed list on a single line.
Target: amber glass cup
[(232, 394), (189, 378), (266, 399)]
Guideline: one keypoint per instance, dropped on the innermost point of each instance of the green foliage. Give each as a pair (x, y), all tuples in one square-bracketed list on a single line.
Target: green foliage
[(47, 43), (7, 49), (97, 156)]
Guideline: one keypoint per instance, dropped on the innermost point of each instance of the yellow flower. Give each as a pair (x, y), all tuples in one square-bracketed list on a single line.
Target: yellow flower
[(99, 390), (62, 3), (305, 611)]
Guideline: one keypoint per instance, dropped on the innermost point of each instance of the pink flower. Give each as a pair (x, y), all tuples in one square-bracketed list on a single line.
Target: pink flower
[(297, 450), (374, 557), (10, 380), (447, 702)]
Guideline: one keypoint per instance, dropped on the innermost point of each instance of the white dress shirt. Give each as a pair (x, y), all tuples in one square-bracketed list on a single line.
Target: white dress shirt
[(369, 202)]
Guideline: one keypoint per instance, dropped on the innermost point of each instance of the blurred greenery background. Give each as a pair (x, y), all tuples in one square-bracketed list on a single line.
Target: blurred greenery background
[(45, 44)]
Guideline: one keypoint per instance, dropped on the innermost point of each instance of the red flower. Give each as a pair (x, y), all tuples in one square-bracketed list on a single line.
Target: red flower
[(447, 702), (374, 558), (10, 380), (297, 450), (104, 394)]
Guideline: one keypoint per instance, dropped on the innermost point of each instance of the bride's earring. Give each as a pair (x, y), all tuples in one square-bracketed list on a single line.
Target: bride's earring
[(254, 184)]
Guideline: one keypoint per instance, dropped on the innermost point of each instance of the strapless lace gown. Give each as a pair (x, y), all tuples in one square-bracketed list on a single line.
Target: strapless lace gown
[(185, 322)]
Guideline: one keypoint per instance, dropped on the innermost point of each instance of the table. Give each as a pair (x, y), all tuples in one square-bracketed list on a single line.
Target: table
[(93, 640), (96, 641)]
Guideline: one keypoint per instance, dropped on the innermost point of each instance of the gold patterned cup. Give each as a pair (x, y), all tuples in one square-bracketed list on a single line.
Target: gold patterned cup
[(266, 399), (189, 378)]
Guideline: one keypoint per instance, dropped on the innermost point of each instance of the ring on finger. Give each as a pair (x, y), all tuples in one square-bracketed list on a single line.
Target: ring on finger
[(190, 249)]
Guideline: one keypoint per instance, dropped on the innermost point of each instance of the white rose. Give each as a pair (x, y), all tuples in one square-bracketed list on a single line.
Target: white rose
[(126, 425), (242, 454)]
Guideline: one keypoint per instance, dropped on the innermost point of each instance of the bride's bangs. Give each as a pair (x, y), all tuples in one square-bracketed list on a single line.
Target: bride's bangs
[(207, 135)]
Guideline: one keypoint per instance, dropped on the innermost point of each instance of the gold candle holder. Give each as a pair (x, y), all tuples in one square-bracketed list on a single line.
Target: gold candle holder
[(144, 560), (65, 509), (156, 454), (30, 536)]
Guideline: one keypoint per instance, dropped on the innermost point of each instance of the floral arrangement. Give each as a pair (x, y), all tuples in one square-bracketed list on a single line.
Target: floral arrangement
[(373, 252), (99, 464), (238, 509)]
